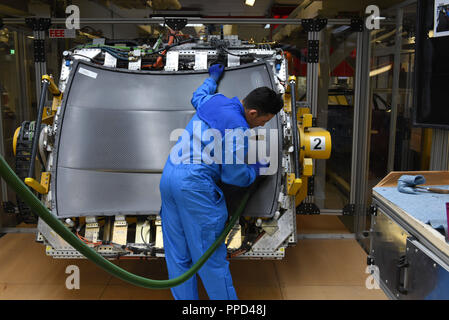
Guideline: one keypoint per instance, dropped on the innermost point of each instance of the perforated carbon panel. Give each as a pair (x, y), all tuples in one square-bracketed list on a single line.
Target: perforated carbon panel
[(113, 138)]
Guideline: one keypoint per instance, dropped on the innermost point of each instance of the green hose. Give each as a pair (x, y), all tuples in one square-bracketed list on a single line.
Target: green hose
[(26, 195)]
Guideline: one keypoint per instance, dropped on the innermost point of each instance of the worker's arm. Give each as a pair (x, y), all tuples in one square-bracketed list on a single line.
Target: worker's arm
[(204, 93), (209, 86), (234, 171)]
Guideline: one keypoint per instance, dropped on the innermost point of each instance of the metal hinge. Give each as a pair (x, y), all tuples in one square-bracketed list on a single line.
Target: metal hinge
[(306, 208), (349, 209)]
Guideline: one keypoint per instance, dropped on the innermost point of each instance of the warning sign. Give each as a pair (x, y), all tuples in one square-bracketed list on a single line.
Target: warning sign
[(62, 33)]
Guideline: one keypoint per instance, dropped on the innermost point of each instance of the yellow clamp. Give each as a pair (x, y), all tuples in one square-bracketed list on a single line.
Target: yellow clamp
[(307, 167), (42, 187), (302, 194), (14, 140), (49, 112), (307, 120), (293, 184), (53, 88), (287, 103)]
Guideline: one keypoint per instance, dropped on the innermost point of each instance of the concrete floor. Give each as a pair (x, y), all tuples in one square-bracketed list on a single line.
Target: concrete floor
[(313, 269)]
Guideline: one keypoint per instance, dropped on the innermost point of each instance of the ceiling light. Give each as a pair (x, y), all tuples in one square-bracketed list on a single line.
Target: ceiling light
[(187, 25), (267, 26), (250, 2)]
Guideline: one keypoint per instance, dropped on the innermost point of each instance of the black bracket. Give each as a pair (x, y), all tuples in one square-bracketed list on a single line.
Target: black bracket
[(313, 25), (175, 24), (38, 24), (349, 210), (1, 23), (313, 51), (357, 24), (370, 260), (39, 50), (310, 185), (307, 208), (372, 210)]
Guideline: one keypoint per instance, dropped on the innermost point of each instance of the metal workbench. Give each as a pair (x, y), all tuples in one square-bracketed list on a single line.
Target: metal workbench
[(408, 257)]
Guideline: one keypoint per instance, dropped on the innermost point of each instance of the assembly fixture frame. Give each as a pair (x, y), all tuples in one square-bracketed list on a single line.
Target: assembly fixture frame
[(359, 172)]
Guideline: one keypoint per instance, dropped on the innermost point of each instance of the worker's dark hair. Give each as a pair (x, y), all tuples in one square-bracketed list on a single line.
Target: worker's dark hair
[(264, 100)]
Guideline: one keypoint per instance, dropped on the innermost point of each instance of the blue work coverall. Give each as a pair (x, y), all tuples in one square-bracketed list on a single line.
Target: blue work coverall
[(193, 208)]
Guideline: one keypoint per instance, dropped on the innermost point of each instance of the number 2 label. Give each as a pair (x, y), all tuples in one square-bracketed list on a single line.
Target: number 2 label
[(318, 143)]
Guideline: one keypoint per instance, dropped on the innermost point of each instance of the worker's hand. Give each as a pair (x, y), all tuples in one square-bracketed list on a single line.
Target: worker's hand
[(216, 71)]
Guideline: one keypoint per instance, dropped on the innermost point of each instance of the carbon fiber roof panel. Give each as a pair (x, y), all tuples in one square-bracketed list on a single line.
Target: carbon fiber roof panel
[(113, 138)]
